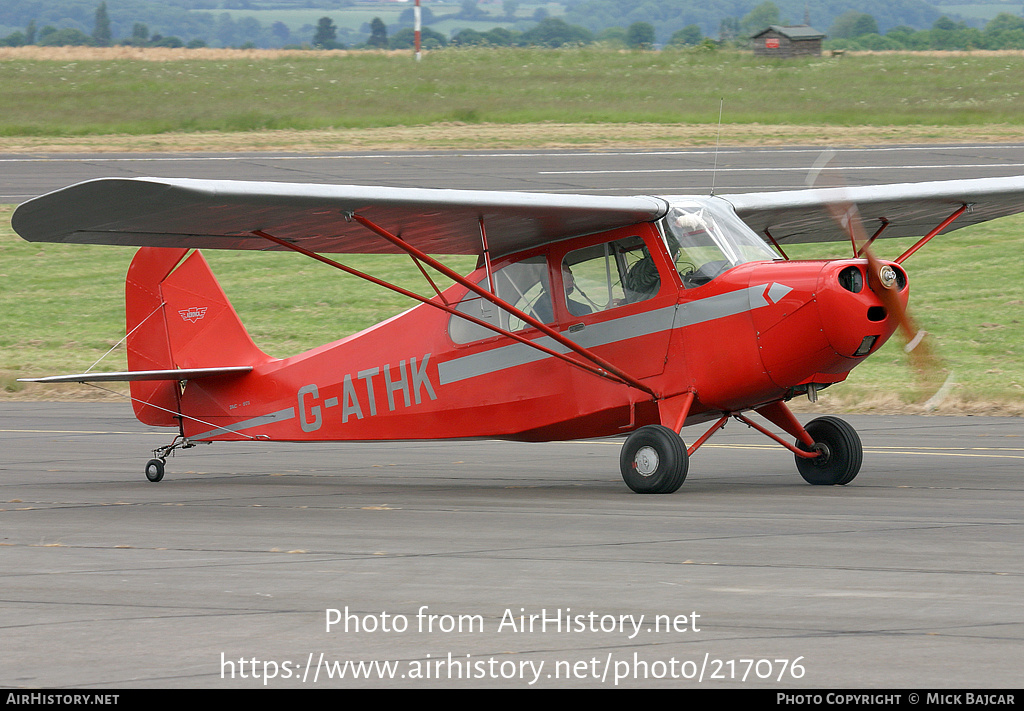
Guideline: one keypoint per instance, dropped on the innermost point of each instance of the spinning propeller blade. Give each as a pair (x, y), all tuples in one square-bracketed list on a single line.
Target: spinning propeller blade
[(884, 281)]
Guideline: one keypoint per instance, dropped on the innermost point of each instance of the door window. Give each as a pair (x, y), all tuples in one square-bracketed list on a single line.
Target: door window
[(524, 284)]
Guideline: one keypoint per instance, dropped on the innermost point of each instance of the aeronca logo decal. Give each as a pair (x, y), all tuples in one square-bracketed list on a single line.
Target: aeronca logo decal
[(192, 314)]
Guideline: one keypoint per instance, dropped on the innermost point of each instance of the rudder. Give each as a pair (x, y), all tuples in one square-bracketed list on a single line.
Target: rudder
[(177, 316)]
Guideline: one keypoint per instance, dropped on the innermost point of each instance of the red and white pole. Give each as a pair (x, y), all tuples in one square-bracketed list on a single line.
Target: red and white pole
[(416, 28)]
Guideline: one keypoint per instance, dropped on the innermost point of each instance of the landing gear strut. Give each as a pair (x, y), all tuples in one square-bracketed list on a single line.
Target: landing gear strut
[(828, 450), (155, 467)]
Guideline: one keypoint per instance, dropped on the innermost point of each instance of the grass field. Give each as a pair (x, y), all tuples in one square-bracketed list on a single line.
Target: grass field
[(63, 309), (514, 86)]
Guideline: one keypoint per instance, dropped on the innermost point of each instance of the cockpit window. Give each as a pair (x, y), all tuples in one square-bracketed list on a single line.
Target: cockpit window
[(706, 238), (524, 284), (607, 275)]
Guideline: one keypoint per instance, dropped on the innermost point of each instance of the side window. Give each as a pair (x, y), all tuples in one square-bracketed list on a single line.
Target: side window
[(607, 275), (523, 284)]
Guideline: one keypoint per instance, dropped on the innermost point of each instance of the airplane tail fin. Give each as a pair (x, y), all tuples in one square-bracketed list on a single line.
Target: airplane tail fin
[(178, 317)]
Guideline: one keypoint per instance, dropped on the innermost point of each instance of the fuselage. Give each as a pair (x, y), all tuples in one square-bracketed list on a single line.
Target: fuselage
[(670, 309)]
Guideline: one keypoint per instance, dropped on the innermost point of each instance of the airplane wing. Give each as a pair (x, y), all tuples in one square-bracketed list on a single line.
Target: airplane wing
[(912, 209), (222, 214)]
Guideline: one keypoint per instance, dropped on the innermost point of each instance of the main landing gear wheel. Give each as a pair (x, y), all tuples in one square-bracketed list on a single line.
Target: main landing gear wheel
[(653, 460), (155, 470), (841, 453)]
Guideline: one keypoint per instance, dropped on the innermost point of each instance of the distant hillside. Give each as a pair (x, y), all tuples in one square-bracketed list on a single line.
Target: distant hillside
[(671, 15), (279, 23)]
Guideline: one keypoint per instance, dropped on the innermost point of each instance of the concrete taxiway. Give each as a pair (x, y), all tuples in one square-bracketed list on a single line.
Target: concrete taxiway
[(469, 564), (598, 172)]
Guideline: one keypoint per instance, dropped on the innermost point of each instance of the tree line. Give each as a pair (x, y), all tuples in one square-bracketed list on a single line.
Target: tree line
[(854, 30), (547, 32), (858, 31), (102, 36)]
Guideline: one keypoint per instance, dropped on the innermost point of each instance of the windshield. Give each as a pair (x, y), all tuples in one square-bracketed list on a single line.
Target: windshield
[(706, 238)]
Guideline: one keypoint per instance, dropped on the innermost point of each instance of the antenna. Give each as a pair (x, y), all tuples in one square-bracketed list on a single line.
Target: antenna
[(718, 140)]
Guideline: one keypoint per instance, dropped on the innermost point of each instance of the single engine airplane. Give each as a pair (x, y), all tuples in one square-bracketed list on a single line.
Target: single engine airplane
[(586, 316)]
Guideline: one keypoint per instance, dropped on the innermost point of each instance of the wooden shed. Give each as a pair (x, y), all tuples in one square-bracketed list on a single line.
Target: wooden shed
[(787, 41)]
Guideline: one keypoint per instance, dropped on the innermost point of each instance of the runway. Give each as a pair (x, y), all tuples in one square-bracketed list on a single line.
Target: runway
[(490, 564), (615, 172)]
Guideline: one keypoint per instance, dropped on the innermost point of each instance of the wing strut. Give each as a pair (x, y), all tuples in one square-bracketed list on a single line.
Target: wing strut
[(881, 228), (777, 246), (609, 373), (924, 240), (601, 363), (486, 253)]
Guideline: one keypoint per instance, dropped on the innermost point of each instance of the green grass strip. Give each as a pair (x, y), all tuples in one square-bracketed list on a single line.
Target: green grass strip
[(505, 86)]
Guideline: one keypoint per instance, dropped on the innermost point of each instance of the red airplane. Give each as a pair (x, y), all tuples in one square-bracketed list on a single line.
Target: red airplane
[(586, 316)]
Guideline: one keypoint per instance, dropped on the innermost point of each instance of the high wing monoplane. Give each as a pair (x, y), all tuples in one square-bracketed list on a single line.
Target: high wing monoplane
[(585, 317)]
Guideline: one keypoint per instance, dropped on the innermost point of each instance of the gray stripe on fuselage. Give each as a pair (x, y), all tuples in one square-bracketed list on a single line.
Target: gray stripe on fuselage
[(597, 334), (729, 304), (279, 416), (620, 329)]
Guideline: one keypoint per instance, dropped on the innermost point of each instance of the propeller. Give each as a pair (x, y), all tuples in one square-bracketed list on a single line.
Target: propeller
[(883, 280)]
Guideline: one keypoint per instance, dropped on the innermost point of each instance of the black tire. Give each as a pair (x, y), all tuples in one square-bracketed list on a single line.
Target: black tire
[(654, 460), (155, 470), (842, 453)]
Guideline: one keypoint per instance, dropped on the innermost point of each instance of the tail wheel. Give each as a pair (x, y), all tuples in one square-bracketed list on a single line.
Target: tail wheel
[(155, 470), (653, 460), (841, 453)]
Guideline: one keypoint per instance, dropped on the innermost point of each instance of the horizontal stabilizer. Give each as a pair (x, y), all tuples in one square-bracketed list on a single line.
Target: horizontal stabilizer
[(133, 375)]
